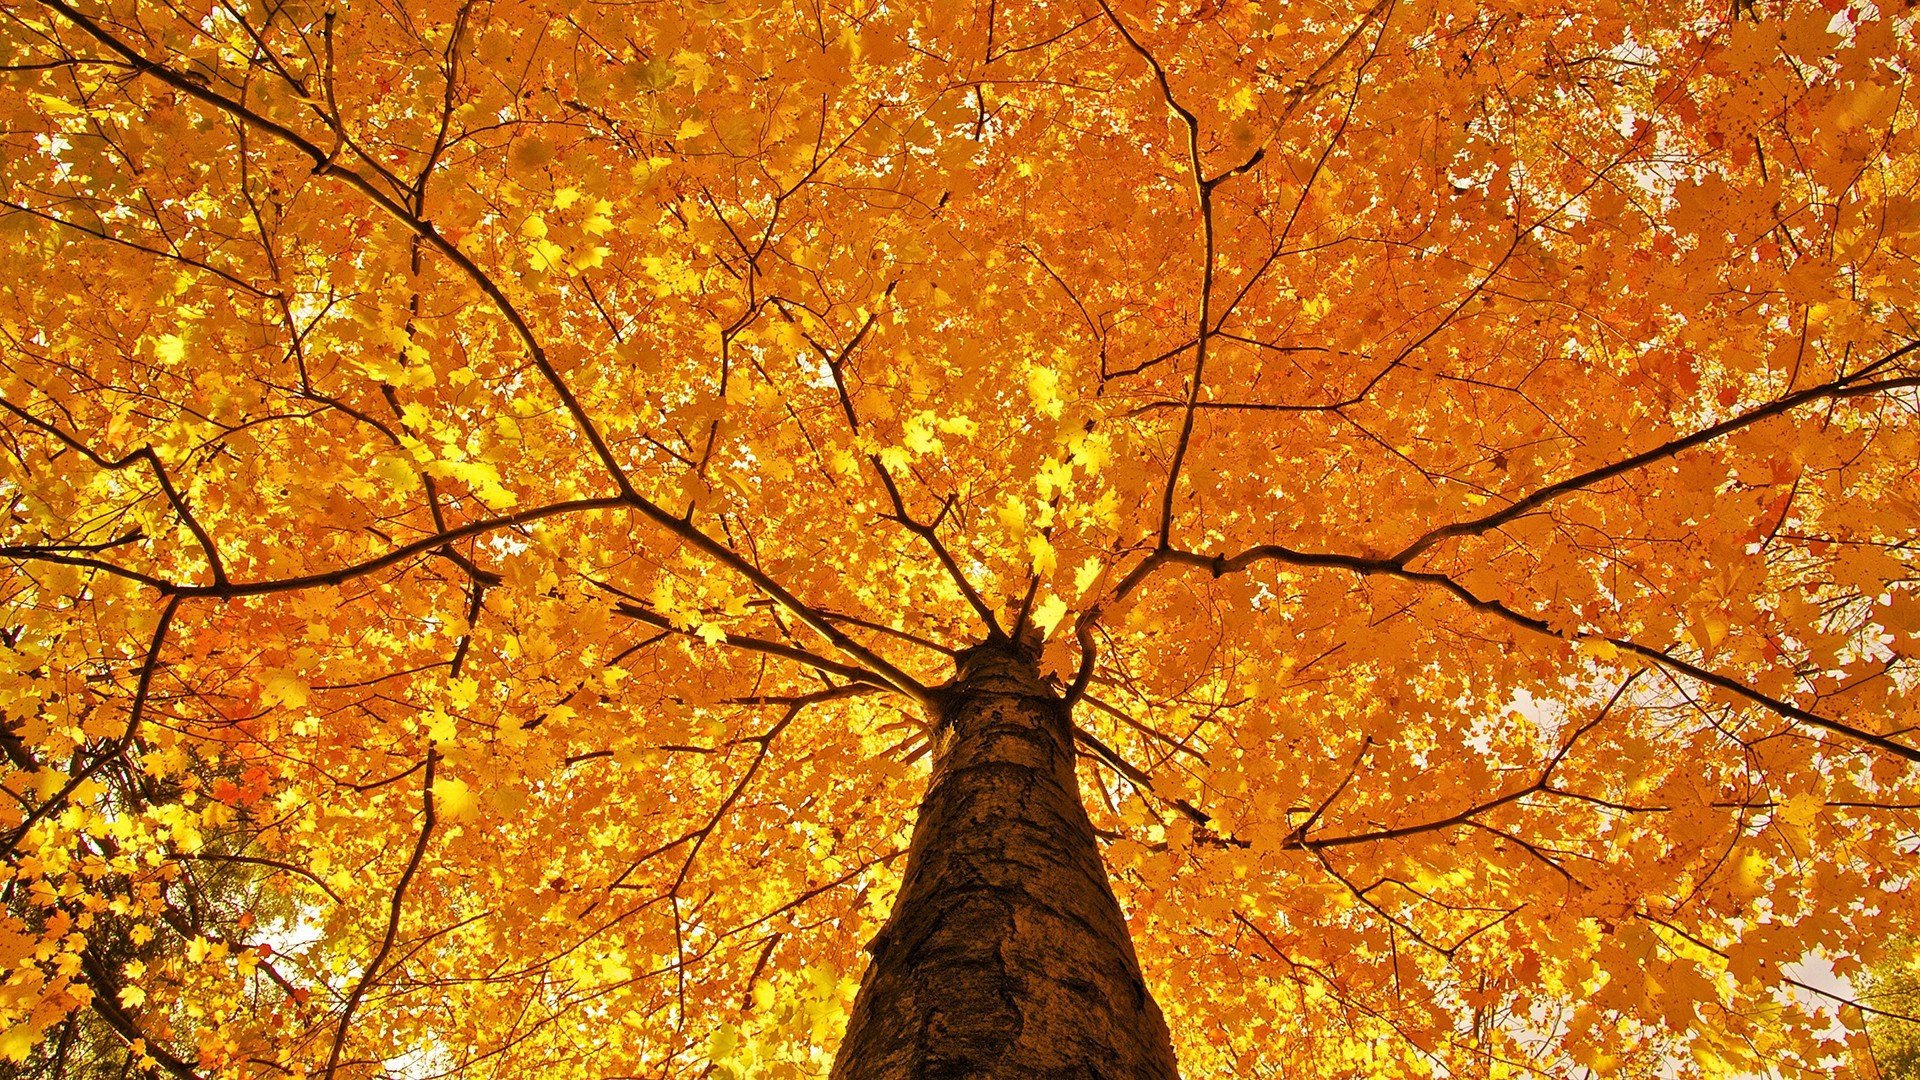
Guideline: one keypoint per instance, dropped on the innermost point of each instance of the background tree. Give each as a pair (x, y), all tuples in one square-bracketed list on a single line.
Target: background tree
[(516, 476), (1893, 991)]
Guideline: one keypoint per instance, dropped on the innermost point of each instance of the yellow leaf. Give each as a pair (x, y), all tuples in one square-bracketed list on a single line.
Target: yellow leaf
[(1043, 387), (283, 688), (918, 436), (1709, 630), (452, 798), (441, 727), (463, 692), (1044, 558), (1084, 577), (1599, 648), (58, 106), (1802, 809), (545, 255), (169, 349), (1049, 613), (17, 1043)]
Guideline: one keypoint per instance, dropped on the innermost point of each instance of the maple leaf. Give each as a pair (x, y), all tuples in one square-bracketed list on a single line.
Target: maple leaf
[(533, 529)]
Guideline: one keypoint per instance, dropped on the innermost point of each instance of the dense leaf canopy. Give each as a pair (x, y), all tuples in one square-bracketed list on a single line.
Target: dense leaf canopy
[(490, 483)]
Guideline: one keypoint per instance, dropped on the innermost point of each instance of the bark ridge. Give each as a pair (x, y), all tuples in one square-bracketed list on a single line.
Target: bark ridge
[(1006, 954)]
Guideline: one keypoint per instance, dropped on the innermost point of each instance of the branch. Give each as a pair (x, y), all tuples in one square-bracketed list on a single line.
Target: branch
[(760, 645), (927, 531), (325, 165), (1692, 671), (1139, 778), (1220, 564), (699, 835), (394, 907), (428, 545), (1543, 784), (1845, 386), (1359, 758), (106, 1003), (120, 745), (102, 234), (255, 860), (143, 455), (1724, 955), (1203, 193)]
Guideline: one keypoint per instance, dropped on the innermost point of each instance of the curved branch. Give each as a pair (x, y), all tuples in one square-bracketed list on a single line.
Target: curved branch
[(106, 1003), (426, 546), (927, 531), (1204, 329), (325, 165), (1219, 565), (143, 455), (1543, 784)]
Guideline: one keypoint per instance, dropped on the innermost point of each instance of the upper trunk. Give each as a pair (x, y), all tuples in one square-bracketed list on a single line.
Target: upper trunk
[(1006, 954)]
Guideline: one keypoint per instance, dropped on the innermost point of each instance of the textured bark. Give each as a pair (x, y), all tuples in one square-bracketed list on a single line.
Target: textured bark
[(1006, 954)]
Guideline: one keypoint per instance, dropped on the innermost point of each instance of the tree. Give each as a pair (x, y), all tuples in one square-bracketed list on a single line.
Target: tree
[(1893, 992), (536, 491)]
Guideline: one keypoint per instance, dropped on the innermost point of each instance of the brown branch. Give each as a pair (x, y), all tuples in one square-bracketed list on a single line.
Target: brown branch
[(1845, 386), (428, 545), (325, 165), (1203, 194), (1693, 671), (1724, 955), (759, 645), (144, 455), (927, 531), (1140, 779), (140, 694), (1220, 564), (394, 907), (254, 860), (1359, 757), (102, 234), (813, 620), (106, 1003), (699, 836), (1543, 784)]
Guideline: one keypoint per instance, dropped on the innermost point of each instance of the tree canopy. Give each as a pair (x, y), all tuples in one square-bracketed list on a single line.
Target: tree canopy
[(490, 487)]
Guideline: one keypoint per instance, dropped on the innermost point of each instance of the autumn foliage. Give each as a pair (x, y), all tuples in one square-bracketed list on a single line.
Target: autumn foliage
[(492, 488)]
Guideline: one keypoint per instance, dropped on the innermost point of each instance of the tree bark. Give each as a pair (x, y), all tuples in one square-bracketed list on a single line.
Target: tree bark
[(1006, 954)]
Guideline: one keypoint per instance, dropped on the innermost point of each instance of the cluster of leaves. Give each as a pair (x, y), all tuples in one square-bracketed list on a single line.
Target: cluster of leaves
[(489, 486)]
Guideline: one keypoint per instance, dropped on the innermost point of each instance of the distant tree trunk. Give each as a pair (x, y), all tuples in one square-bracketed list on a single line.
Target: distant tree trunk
[(1006, 954)]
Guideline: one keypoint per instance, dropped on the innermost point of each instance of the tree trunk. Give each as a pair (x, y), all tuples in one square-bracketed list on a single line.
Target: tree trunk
[(1006, 954)]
